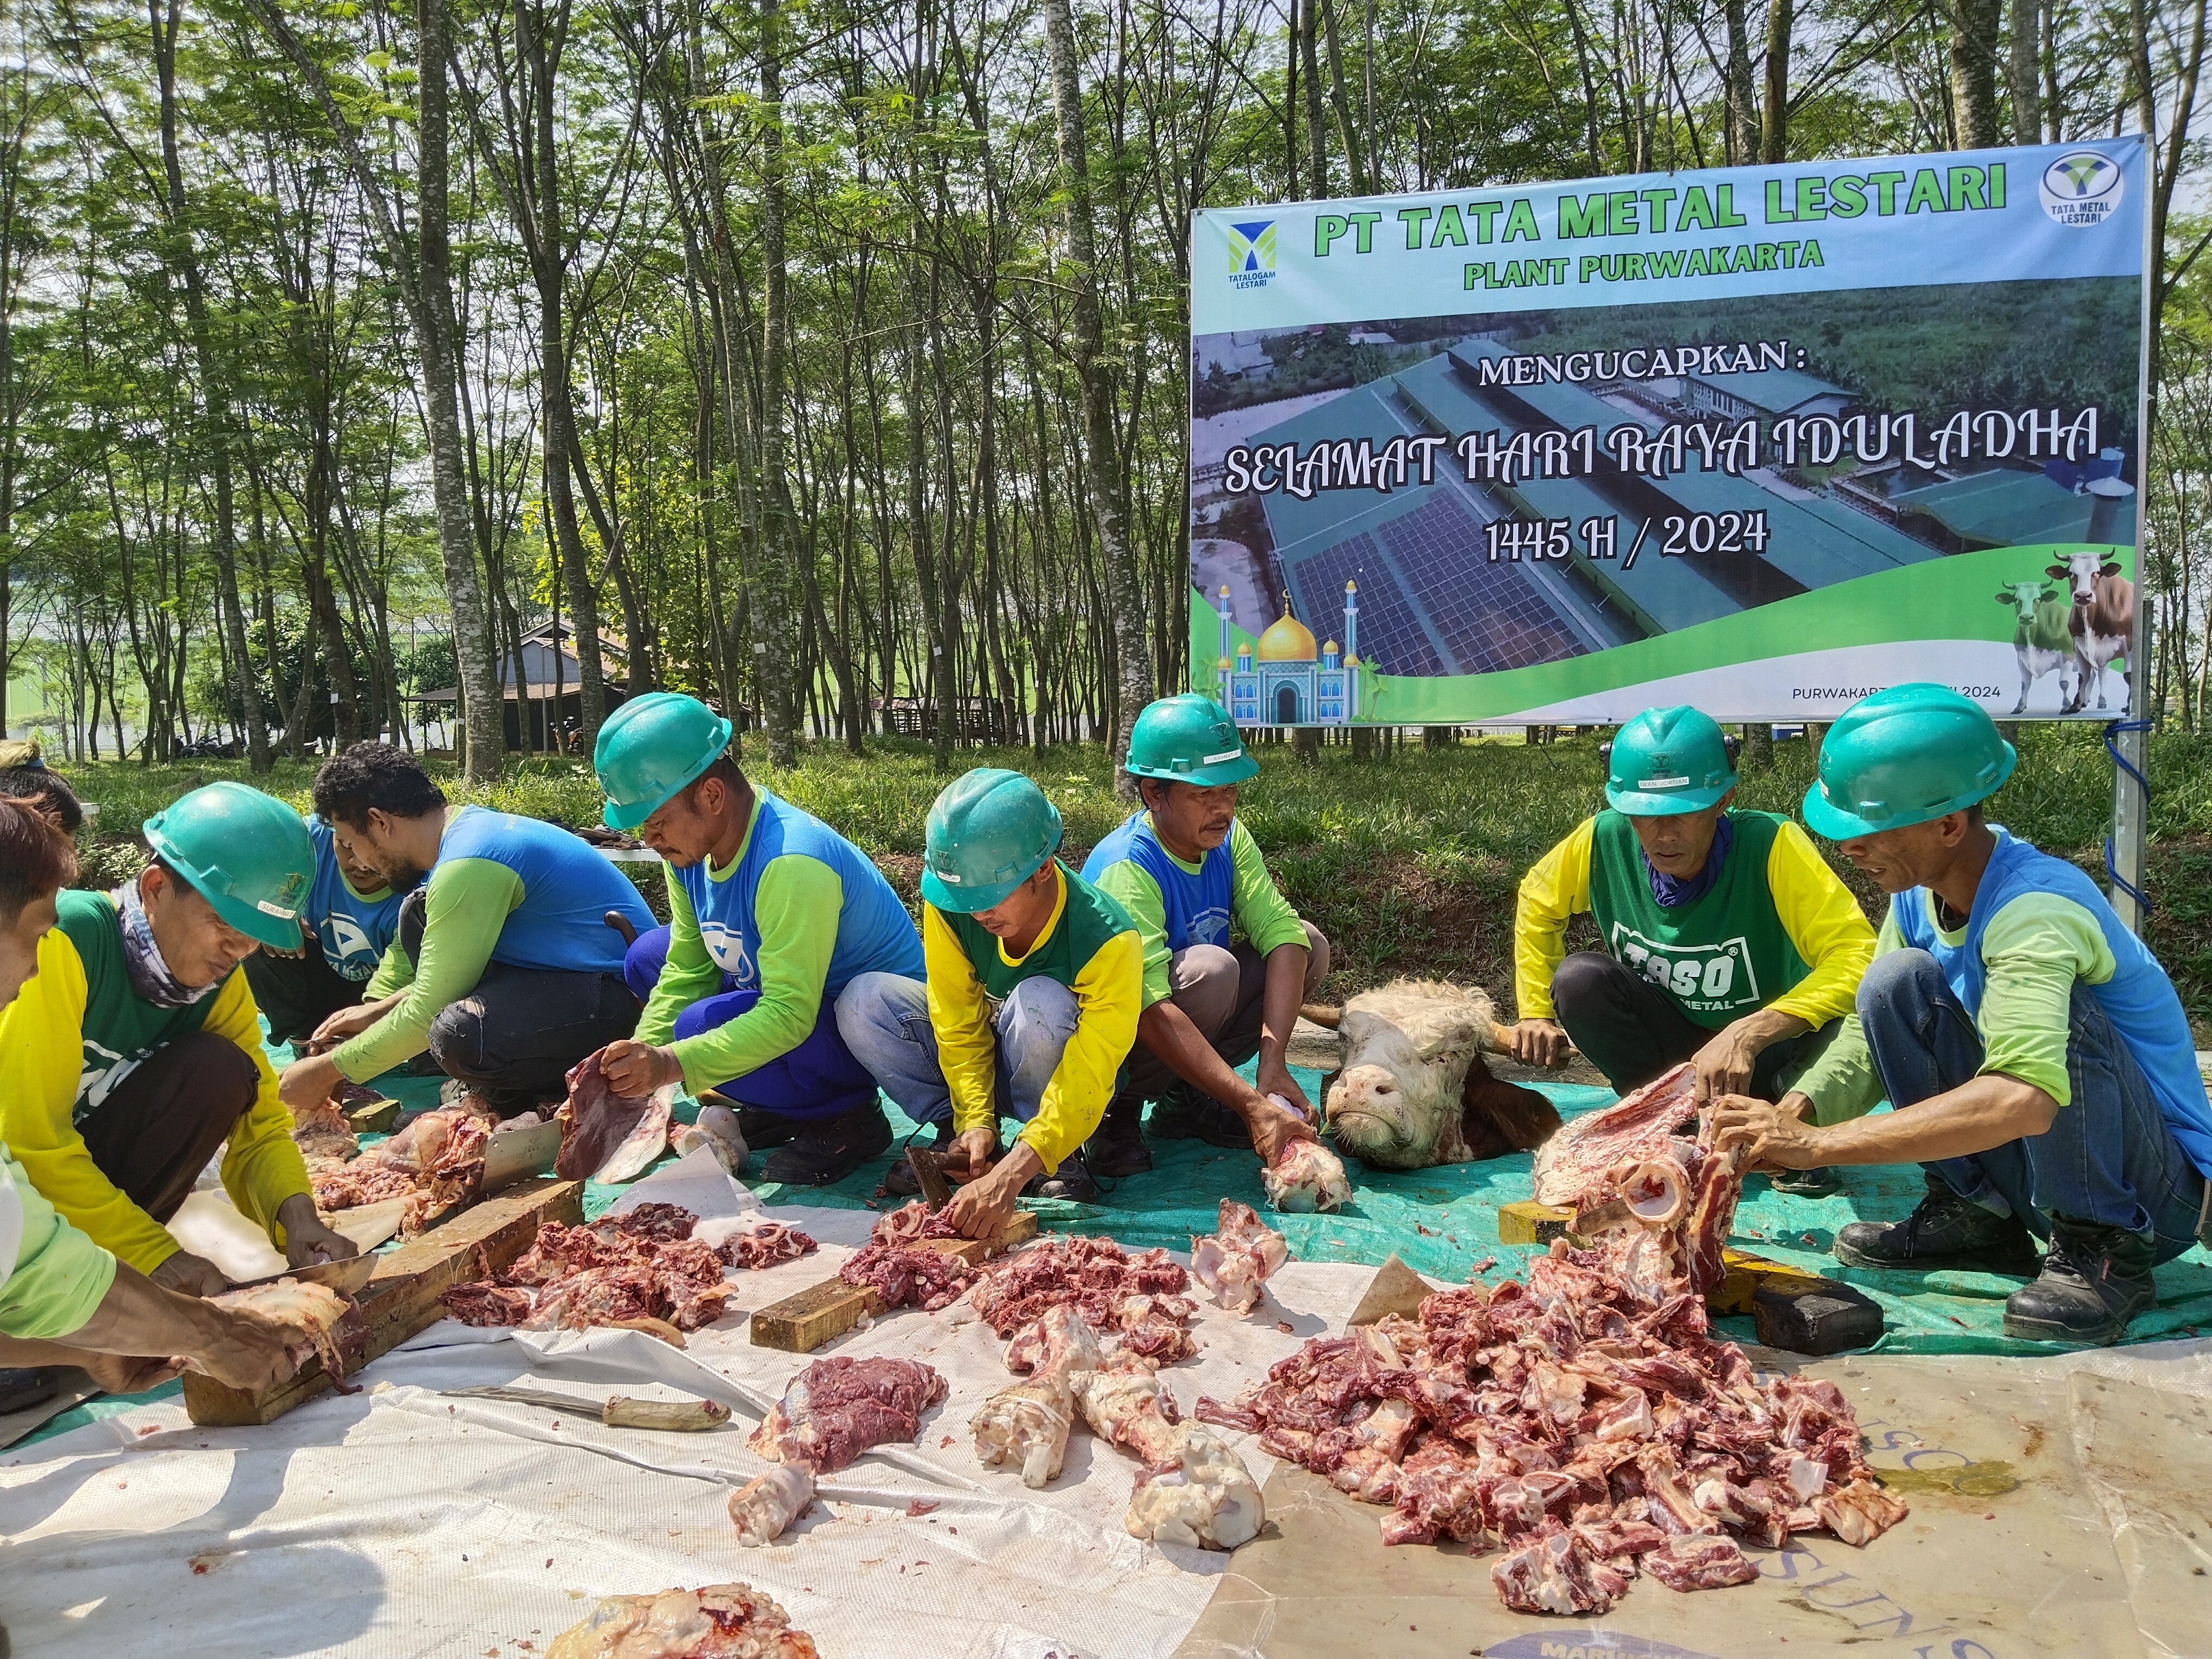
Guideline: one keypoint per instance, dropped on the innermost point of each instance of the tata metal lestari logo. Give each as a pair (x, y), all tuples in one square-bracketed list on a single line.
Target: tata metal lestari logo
[(1252, 253), (2082, 187)]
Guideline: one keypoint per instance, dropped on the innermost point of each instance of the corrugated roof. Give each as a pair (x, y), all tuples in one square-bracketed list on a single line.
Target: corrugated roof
[(1779, 389), (2006, 508)]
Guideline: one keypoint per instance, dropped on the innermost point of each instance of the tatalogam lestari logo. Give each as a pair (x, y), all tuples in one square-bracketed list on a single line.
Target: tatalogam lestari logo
[(1252, 253), (2082, 187)]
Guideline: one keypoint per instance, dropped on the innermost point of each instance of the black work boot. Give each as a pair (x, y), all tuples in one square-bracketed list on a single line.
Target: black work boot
[(1118, 1148), (1945, 1231), (2095, 1280), (1072, 1181), (763, 1129), (23, 1386), (1189, 1114), (1818, 1182), (900, 1178), (831, 1149)]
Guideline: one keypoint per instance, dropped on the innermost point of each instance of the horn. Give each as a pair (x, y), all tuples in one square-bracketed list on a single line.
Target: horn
[(1322, 1014)]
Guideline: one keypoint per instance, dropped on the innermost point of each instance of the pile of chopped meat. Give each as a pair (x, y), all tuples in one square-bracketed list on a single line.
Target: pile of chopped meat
[(901, 1268), (642, 1271), (439, 1155), (755, 1242), (717, 1622), (1585, 1424), (1135, 1297)]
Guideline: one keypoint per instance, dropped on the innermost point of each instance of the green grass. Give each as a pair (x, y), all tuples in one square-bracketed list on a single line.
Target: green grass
[(1410, 865)]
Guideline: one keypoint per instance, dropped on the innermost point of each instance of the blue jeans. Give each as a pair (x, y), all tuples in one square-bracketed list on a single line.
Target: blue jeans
[(818, 1079), (884, 1020), (2108, 1159)]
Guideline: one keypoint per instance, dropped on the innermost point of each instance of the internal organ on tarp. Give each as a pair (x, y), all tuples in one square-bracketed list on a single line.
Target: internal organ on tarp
[(1579, 1163), (642, 1270), (1234, 1261), (1579, 1423), (717, 1622), (838, 1408)]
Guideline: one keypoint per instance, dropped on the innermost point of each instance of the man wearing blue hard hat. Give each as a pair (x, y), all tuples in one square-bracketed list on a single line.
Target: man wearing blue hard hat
[(772, 915), (1034, 980), (1727, 941), (2036, 1055)]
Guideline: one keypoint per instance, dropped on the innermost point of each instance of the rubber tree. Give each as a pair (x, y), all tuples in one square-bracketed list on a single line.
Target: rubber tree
[(1109, 507)]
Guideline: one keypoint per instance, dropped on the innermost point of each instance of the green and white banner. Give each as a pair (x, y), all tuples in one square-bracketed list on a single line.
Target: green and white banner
[(1760, 439)]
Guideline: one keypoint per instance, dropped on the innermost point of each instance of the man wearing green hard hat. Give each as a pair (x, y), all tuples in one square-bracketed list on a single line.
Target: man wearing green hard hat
[(2036, 1056), (135, 1053), (1185, 869), (1727, 941), (1034, 981), (772, 915)]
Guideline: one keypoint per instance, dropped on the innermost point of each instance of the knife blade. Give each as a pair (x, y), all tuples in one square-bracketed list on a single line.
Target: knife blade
[(346, 1277), (616, 1412)]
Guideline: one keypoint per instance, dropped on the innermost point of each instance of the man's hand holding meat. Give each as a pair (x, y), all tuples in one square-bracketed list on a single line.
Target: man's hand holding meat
[(639, 1068)]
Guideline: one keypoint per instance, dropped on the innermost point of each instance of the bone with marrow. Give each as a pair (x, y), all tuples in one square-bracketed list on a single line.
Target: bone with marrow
[(1234, 1261), (1413, 1090), (1026, 1424)]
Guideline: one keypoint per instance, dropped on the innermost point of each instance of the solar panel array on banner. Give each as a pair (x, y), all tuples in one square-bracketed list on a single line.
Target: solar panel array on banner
[(1491, 615), (1390, 633)]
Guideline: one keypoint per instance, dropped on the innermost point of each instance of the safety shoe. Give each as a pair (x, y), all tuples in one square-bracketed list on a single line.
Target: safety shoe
[(831, 1149), (899, 1179), (1819, 1183), (1945, 1231), (761, 1129), (1072, 1181), (1118, 1148), (1189, 1114), (21, 1388), (2095, 1280)]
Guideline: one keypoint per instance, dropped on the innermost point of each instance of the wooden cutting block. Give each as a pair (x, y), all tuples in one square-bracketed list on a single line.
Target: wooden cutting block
[(1748, 1275), (1527, 1222), (401, 1297), (801, 1323), (373, 1117)]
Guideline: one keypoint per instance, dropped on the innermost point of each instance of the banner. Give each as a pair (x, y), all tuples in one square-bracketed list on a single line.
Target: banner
[(1760, 439)]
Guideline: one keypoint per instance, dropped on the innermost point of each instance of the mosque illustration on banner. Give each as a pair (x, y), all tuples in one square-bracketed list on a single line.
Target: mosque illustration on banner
[(1283, 678)]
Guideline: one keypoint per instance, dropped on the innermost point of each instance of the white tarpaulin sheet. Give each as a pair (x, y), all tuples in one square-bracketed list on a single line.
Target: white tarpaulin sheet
[(396, 1522)]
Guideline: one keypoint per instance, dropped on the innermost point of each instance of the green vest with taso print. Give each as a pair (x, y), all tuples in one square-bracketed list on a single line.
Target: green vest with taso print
[(1719, 957), (1086, 923)]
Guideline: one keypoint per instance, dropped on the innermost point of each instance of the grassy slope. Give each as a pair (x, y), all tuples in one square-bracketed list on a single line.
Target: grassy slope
[(1409, 867)]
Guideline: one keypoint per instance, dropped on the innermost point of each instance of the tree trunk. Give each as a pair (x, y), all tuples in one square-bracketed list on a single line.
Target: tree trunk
[(1317, 122), (1108, 507), (1974, 26), (2021, 72), (1774, 133), (1739, 128), (1291, 191), (1356, 160), (772, 580)]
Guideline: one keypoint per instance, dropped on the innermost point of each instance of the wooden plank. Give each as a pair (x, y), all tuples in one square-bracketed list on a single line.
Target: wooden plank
[(401, 1297), (1527, 1222), (373, 1117), (802, 1323)]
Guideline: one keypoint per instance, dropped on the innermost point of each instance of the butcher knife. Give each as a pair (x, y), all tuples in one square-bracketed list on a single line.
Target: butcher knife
[(616, 1412), (346, 1278), (1601, 1218), (513, 1155)]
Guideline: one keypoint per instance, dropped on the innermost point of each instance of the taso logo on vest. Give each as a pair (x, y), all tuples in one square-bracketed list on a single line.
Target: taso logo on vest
[(1708, 979), (727, 946)]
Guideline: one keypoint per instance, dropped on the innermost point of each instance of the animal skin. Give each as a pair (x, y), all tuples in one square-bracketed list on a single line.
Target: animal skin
[(2101, 620), (1413, 1091)]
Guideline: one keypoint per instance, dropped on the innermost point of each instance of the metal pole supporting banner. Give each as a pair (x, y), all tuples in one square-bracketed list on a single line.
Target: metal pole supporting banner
[(2129, 740)]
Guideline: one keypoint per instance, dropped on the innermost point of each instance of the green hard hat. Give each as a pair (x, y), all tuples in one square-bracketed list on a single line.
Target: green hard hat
[(247, 854), (1668, 761), (650, 748), (989, 832), (1188, 739), (1906, 756)]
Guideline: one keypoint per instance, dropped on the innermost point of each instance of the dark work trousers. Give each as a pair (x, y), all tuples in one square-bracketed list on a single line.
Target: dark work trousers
[(168, 1116), (297, 993), (1632, 1032), (514, 1038), (2108, 1158), (1224, 993)]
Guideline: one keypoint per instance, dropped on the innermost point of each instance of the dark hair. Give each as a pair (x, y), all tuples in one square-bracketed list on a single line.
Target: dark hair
[(373, 776), (36, 858), (722, 769), (44, 790)]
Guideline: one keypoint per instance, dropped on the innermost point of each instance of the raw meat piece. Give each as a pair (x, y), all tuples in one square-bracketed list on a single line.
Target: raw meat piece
[(1095, 1275), (1124, 1403), (1860, 1513), (1575, 1165), (1696, 1564), (641, 1270), (1153, 1327), (1557, 1572), (1209, 1501), (906, 1275), (910, 1224), (719, 1621), (836, 1408), (335, 1327), (1234, 1261), (610, 1137), (396, 1167), (351, 1186), (453, 1177), (1027, 1423), (325, 1140), (767, 1503), (1439, 1495), (1306, 1176), (756, 1242), (1712, 1207)]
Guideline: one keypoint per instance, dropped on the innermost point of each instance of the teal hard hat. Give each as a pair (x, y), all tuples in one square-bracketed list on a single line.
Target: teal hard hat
[(1906, 756), (1188, 739), (247, 854), (989, 832), (1667, 761), (650, 748)]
